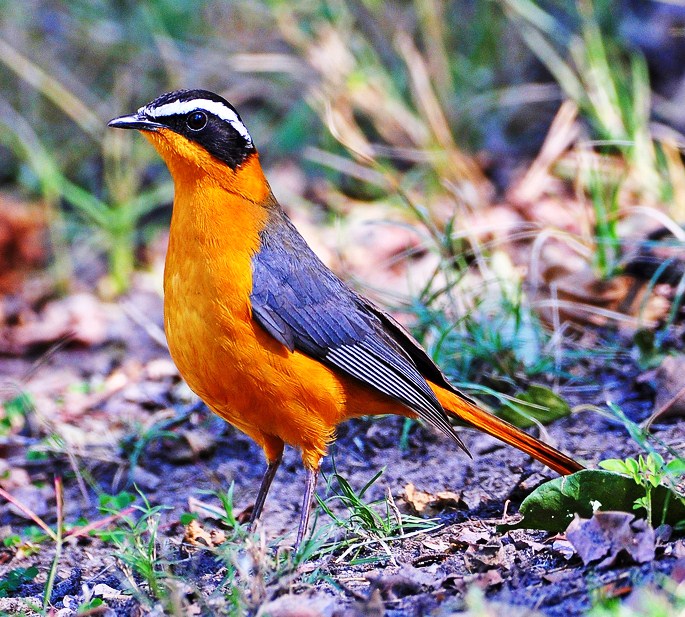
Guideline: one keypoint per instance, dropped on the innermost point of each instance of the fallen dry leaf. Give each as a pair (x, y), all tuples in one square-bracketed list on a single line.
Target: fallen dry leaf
[(79, 318), (471, 533), (160, 369), (561, 574), (12, 478), (482, 580), (564, 547), (670, 388), (147, 394), (422, 502), (488, 579), (371, 607), (76, 402), (33, 498), (408, 581), (522, 540), (530, 483), (608, 534), (494, 554), (196, 535), (439, 545), (190, 444), (23, 241), (679, 549), (580, 297), (298, 606)]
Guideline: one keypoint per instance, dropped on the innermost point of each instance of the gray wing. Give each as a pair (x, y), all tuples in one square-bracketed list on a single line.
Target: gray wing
[(302, 304)]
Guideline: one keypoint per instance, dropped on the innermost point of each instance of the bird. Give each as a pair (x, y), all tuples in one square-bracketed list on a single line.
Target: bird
[(261, 330)]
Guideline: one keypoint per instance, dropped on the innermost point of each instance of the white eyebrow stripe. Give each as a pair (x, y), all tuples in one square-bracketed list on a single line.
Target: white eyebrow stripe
[(213, 107)]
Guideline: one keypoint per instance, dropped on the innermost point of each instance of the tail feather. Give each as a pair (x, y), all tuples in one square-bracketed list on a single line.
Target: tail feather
[(509, 434)]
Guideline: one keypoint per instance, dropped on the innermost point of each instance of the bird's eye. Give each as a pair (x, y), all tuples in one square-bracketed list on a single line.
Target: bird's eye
[(196, 120)]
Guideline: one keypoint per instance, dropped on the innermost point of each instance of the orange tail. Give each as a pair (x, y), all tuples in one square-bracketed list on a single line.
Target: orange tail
[(509, 434)]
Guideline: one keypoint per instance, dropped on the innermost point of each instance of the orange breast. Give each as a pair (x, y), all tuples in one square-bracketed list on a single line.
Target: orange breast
[(242, 373), (238, 369)]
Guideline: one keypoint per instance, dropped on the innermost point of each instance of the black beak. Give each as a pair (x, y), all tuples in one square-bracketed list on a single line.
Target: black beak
[(135, 121)]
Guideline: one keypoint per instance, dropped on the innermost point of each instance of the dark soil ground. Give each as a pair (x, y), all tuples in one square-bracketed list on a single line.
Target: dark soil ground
[(413, 576)]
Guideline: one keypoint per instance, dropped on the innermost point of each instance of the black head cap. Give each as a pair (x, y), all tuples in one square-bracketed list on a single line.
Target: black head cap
[(201, 116)]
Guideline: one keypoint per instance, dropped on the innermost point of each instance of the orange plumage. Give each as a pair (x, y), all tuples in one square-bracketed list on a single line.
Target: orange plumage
[(253, 366)]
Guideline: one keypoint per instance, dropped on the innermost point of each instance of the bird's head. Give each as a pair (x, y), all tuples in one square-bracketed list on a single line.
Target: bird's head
[(195, 131)]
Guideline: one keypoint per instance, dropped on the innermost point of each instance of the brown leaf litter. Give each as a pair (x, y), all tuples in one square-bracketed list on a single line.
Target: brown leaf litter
[(607, 535), (196, 535), (669, 383), (23, 241), (422, 502)]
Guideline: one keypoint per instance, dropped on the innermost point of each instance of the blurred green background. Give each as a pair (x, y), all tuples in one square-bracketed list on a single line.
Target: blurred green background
[(373, 98)]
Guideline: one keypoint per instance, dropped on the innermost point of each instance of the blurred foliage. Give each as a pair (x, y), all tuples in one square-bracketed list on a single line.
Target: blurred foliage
[(390, 101), (109, 57)]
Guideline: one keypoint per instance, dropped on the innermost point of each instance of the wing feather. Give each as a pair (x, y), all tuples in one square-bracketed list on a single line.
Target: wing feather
[(303, 305)]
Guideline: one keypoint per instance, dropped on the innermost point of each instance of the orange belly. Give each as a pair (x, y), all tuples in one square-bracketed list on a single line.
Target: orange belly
[(255, 383), (242, 373)]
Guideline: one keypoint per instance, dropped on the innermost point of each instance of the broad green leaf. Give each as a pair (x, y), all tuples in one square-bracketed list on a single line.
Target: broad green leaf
[(676, 467), (537, 403), (614, 464), (553, 505), (633, 467)]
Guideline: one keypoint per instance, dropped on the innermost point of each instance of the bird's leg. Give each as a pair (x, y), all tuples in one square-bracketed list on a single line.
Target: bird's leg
[(268, 478), (310, 486)]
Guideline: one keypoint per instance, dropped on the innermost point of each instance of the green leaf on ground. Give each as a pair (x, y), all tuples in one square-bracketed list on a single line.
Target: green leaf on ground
[(552, 505), (536, 404), (14, 579)]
